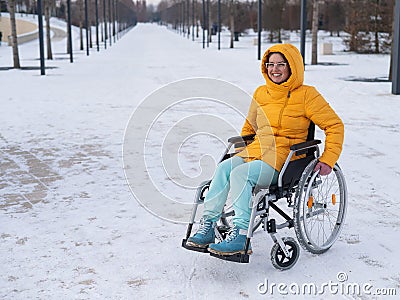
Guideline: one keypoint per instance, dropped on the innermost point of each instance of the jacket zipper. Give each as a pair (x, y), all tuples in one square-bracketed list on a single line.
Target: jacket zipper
[(280, 115)]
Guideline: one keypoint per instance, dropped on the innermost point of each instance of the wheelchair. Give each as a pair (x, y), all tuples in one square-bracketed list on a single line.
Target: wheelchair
[(318, 202)]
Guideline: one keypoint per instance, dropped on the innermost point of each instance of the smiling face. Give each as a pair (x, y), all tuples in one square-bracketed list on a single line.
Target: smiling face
[(277, 68)]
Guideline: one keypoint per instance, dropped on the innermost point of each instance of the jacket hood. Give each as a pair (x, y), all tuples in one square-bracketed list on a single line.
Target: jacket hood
[(295, 60)]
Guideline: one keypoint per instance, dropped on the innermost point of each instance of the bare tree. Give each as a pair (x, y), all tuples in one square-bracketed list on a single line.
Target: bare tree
[(245, 16), (272, 18), (333, 13), (47, 8), (13, 24), (369, 25), (382, 25), (314, 29), (392, 46)]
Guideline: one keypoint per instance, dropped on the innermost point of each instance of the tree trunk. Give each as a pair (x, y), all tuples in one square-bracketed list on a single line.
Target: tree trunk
[(81, 35), (376, 27), (314, 42), (90, 36), (392, 48), (48, 32), (105, 21), (68, 32), (113, 13), (13, 24), (101, 32)]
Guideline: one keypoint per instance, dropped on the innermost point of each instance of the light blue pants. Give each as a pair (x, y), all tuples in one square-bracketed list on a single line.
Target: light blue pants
[(239, 178)]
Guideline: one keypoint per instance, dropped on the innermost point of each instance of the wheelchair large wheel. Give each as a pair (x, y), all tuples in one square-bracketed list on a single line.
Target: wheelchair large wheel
[(320, 208)]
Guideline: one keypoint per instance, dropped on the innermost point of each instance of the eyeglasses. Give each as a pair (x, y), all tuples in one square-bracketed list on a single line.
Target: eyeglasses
[(279, 65)]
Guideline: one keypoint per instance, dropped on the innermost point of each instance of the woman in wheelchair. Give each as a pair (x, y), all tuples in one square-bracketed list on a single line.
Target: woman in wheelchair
[(279, 116)]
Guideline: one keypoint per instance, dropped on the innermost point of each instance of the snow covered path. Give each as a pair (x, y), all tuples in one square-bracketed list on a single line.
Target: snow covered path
[(71, 229)]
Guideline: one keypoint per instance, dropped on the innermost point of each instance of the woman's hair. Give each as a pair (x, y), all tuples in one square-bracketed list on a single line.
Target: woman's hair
[(284, 59)]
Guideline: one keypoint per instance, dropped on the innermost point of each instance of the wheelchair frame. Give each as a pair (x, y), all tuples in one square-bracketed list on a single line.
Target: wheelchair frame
[(297, 179)]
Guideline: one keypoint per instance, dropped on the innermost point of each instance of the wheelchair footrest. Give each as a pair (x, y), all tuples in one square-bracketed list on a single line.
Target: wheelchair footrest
[(239, 258), (198, 249)]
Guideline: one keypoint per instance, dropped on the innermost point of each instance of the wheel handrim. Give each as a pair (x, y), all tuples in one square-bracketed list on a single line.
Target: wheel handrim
[(323, 220)]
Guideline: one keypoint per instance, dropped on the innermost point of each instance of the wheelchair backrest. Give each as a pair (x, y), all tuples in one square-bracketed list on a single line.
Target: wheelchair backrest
[(294, 170), (296, 167)]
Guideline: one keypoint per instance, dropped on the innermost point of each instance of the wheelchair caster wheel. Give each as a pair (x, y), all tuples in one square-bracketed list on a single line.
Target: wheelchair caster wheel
[(278, 258)]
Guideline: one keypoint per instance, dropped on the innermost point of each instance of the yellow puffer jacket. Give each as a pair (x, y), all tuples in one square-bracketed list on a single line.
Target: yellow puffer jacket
[(280, 115)]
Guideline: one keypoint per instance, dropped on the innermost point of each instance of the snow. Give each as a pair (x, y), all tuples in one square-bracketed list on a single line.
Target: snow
[(70, 228)]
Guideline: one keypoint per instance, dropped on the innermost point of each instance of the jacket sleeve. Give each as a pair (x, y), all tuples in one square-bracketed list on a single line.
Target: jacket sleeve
[(320, 112), (250, 124)]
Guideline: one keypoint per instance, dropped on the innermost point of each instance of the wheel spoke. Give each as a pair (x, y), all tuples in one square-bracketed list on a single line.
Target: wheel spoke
[(317, 228)]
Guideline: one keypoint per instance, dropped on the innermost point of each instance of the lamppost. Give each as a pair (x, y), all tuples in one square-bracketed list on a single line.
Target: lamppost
[(303, 28), (109, 21), (396, 51), (97, 25), (183, 17), (105, 24), (259, 25), (71, 59), (208, 23), (41, 39), (204, 24), (113, 14), (193, 20), (219, 24), (87, 26), (117, 18)]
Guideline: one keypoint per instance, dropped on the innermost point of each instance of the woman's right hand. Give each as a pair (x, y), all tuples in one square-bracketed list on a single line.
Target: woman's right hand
[(323, 168)]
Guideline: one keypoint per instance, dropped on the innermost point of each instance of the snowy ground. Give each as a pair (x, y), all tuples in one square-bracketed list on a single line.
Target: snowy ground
[(70, 227)]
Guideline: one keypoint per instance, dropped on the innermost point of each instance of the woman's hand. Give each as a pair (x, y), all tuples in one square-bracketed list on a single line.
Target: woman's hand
[(323, 168)]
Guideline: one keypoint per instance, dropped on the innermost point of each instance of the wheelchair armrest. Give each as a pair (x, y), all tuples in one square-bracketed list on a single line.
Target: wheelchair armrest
[(301, 148), (241, 139), (304, 145), (238, 142)]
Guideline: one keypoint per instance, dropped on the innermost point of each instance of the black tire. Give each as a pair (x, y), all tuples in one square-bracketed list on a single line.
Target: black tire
[(278, 258), (320, 208)]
